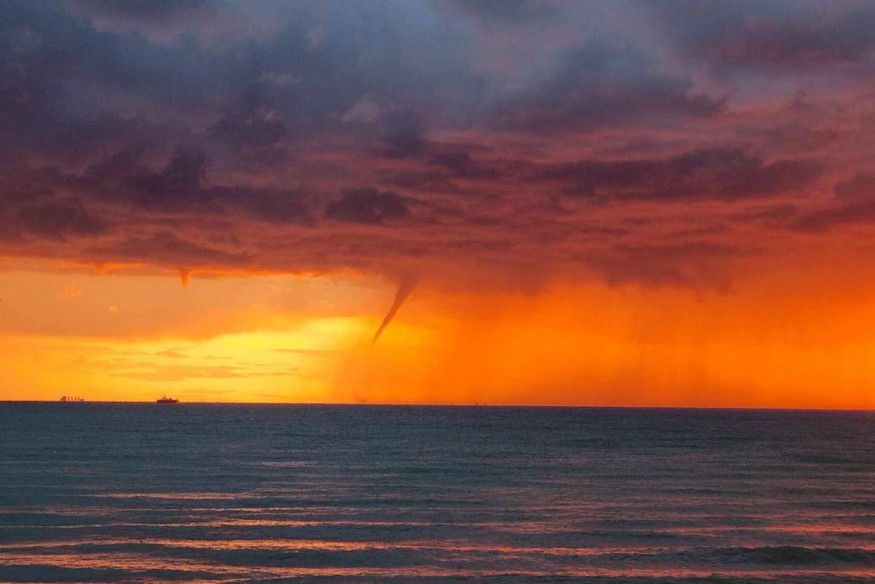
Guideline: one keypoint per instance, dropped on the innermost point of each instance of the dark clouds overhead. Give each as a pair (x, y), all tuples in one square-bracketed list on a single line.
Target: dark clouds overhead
[(770, 34), (446, 137), (604, 83), (367, 206), (506, 12), (854, 204), (718, 174)]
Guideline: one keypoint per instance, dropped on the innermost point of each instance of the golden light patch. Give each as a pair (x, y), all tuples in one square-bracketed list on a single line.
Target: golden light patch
[(272, 338)]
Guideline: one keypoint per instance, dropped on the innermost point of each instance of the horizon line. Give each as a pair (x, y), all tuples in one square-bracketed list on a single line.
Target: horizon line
[(460, 405)]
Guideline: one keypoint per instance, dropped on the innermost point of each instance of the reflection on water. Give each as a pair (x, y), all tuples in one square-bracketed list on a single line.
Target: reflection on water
[(363, 494)]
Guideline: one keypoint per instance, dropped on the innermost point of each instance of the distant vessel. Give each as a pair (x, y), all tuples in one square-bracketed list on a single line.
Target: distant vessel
[(72, 398), (167, 400)]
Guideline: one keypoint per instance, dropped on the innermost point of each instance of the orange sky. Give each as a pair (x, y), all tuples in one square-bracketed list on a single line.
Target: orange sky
[(135, 334)]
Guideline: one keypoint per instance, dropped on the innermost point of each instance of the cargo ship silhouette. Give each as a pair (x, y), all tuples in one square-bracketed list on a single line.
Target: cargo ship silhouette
[(167, 400)]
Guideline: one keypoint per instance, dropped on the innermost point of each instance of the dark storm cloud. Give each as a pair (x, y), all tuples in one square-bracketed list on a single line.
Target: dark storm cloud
[(727, 174), (367, 205), (404, 135), (179, 180), (513, 12), (149, 11), (460, 163), (66, 82), (59, 219), (769, 33), (182, 185), (229, 133), (68, 90), (603, 83), (770, 213), (52, 58), (862, 185), (250, 119), (830, 218), (855, 205), (168, 249)]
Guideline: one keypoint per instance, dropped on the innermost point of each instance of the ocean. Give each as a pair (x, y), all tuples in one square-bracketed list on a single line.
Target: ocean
[(95, 492)]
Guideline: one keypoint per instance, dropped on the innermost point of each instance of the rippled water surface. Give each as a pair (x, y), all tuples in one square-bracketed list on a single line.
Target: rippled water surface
[(114, 492)]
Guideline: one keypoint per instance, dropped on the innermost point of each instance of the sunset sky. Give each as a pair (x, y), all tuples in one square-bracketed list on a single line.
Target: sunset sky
[(582, 203)]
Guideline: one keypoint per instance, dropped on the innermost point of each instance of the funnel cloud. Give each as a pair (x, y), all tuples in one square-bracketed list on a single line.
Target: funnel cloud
[(405, 287)]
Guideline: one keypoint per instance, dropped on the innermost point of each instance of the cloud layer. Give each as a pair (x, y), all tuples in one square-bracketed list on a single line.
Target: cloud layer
[(496, 143)]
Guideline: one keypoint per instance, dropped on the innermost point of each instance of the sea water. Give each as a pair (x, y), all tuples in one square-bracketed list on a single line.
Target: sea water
[(149, 492)]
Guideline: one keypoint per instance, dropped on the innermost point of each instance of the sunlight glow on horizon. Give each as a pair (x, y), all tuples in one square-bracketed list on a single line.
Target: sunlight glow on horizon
[(574, 344)]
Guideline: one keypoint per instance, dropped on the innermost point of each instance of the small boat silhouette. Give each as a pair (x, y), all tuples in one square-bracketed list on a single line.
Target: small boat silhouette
[(167, 400)]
